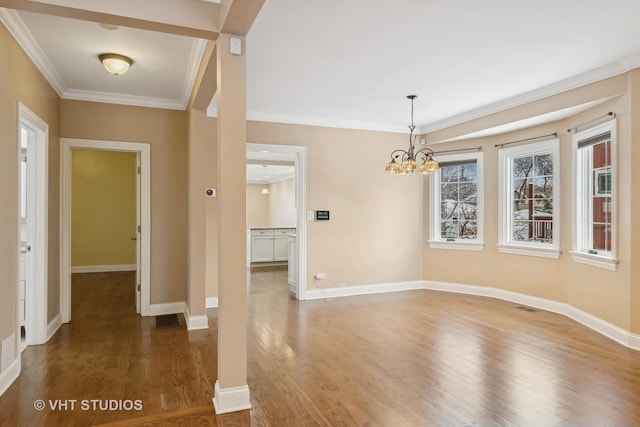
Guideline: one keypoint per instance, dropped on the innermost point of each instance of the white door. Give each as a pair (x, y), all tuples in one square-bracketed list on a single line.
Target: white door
[(138, 235)]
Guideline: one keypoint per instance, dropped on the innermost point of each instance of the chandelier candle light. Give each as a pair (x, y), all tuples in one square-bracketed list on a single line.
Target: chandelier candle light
[(405, 162)]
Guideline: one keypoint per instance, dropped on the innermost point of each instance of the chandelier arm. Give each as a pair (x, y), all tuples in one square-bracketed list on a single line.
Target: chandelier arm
[(404, 154), (426, 152)]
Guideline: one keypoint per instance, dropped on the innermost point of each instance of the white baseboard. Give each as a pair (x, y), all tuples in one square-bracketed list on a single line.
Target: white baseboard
[(195, 322), (231, 399), (609, 330), (9, 375), (212, 302), (166, 308), (102, 268), (54, 325), (347, 291)]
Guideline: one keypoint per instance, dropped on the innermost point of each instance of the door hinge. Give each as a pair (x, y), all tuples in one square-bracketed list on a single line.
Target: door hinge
[(139, 170), (139, 229), (138, 287)]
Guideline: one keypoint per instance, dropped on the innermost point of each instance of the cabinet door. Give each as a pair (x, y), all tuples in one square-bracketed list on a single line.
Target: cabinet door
[(261, 249), (280, 249)]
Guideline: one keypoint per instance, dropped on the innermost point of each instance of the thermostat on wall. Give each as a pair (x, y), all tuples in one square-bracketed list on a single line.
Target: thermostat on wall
[(322, 215)]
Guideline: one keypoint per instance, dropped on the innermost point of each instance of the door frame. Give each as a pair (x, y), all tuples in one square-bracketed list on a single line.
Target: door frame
[(300, 153), (36, 298), (144, 152)]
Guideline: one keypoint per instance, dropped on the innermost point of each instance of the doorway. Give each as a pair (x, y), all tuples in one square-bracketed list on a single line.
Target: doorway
[(296, 154), (33, 139), (143, 228)]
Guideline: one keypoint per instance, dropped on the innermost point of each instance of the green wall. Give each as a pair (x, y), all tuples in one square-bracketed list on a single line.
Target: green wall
[(103, 200)]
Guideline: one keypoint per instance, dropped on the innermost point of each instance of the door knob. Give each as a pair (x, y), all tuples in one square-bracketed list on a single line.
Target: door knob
[(134, 238)]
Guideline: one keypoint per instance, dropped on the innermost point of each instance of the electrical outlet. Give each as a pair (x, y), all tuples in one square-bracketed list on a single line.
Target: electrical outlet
[(342, 285), (320, 276)]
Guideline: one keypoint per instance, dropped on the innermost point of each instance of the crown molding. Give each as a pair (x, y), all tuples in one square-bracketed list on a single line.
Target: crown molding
[(610, 70), (324, 122), (117, 98), (197, 52), (16, 27)]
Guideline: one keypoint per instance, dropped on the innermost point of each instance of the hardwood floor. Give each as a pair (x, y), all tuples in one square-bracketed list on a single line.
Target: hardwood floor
[(416, 358)]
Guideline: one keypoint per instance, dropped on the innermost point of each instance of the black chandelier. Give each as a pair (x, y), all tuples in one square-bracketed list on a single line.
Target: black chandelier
[(405, 162)]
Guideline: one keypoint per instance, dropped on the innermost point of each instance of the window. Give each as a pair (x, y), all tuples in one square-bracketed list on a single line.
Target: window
[(455, 200), (529, 194), (594, 196)]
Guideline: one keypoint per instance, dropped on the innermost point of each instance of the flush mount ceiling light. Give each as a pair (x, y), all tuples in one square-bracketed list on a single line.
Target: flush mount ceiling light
[(115, 64), (405, 162)]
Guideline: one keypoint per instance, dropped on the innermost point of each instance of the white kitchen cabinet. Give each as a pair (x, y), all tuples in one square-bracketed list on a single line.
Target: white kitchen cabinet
[(261, 245), (281, 244), (270, 244)]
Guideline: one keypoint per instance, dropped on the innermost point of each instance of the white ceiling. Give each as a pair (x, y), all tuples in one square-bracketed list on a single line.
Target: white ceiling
[(352, 63), (268, 173)]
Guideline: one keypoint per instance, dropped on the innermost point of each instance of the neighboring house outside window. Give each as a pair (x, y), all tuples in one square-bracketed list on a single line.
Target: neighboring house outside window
[(456, 203), (529, 194), (594, 198)]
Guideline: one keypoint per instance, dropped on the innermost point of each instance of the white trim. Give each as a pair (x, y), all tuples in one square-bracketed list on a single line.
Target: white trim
[(122, 99), (20, 32), (102, 268), (322, 122), (461, 245), (211, 302), (195, 322), (231, 399), (435, 239), (195, 58), (16, 26), (506, 244), (37, 295), (9, 375), (144, 151), (529, 250), (300, 160), (166, 308), (578, 252), (595, 260), (620, 335), (348, 291), (54, 325)]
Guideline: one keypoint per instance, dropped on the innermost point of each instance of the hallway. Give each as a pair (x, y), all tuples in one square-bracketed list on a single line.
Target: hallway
[(398, 359)]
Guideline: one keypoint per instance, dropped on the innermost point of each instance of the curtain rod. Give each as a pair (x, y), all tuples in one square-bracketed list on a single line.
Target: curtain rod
[(575, 128), (459, 149), (528, 139)]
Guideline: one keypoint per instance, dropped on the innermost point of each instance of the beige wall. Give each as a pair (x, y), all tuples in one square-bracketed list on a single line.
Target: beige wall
[(166, 132), (374, 235), (600, 292), (103, 208), (276, 209), (20, 81), (282, 198), (257, 206)]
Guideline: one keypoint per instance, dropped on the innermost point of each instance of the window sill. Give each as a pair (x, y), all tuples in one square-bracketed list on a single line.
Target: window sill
[(552, 253), (595, 260), (460, 245)]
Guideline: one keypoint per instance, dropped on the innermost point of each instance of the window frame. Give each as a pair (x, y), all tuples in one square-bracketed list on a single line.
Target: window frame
[(435, 239), (506, 244), (584, 189)]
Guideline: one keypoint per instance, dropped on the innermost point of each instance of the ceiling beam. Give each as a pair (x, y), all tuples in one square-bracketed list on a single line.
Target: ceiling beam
[(206, 83), (237, 16), (192, 18)]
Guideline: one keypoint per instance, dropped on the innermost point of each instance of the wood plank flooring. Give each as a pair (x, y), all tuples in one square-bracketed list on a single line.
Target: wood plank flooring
[(416, 358)]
